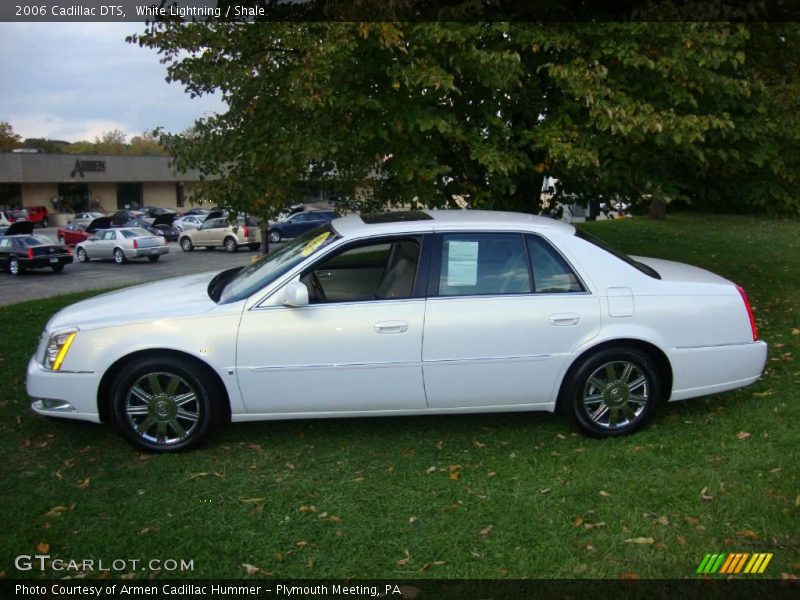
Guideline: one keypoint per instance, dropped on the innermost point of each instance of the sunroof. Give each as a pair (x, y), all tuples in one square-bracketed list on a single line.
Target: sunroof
[(400, 216)]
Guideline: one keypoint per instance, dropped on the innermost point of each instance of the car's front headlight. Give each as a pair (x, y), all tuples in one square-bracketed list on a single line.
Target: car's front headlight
[(57, 349)]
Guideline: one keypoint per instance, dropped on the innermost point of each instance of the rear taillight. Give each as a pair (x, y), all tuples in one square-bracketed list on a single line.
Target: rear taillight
[(30, 252), (246, 232), (750, 315), (135, 244)]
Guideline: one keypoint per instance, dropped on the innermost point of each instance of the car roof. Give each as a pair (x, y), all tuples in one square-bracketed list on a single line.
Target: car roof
[(450, 220)]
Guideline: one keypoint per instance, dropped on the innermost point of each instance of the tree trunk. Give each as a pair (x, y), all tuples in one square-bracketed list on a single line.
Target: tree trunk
[(264, 236), (658, 209)]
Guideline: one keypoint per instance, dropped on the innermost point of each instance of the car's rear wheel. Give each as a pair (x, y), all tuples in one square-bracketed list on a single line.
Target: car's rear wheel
[(14, 267), (230, 245), (164, 404), (57, 268), (45, 222), (186, 245), (82, 256), (119, 256), (613, 392), (274, 236), (154, 258)]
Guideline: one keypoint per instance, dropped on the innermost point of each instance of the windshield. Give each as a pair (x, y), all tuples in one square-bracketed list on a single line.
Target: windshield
[(271, 266), (647, 270)]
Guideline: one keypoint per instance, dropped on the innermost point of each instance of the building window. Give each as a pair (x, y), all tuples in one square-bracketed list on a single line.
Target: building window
[(179, 194), (129, 195)]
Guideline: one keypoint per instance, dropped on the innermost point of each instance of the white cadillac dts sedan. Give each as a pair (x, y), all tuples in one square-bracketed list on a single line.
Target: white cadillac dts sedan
[(397, 314)]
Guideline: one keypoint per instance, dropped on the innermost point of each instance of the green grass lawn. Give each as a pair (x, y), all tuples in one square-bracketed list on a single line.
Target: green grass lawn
[(490, 496)]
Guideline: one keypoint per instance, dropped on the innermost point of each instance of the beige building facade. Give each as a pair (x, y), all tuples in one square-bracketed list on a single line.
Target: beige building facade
[(68, 183)]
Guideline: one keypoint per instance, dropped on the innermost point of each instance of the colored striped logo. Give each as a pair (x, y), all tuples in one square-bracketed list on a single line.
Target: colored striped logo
[(733, 563)]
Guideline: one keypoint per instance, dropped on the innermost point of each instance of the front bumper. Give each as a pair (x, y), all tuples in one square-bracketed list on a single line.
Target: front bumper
[(63, 394)]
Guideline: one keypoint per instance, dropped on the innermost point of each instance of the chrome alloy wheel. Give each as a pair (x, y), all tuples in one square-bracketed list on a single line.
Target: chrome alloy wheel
[(615, 395), (162, 408)]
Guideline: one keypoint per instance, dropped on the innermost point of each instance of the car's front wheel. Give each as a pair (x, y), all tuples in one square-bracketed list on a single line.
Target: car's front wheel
[(230, 245), (613, 392), (119, 257), (186, 245), (274, 236), (82, 256), (165, 404)]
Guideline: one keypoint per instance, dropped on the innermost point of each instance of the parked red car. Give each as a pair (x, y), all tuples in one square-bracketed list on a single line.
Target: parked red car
[(75, 233), (38, 215)]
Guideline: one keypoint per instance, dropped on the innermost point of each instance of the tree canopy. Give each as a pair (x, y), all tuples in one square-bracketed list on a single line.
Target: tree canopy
[(428, 111)]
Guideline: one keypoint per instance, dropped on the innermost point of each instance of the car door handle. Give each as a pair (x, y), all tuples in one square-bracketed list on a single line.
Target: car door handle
[(391, 327), (564, 319)]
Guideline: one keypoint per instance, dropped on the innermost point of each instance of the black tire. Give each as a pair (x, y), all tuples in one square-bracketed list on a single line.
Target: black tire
[(14, 267), (230, 245), (151, 418), (154, 258), (45, 222), (254, 247), (57, 268), (186, 244), (119, 256), (613, 392), (82, 256), (274, 236)]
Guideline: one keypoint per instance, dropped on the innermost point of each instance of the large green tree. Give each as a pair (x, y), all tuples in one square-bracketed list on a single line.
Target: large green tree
[(8, 139), (425, 112)]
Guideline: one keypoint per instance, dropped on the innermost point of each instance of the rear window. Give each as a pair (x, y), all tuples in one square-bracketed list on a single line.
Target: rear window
[(132, 233), (647, 270)]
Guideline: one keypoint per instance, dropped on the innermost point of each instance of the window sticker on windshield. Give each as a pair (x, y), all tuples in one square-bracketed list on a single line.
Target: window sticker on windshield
[(315, 243), (462, 263)]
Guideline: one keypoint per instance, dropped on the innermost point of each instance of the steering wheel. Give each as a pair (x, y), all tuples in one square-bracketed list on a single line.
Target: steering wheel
[(317, 285)]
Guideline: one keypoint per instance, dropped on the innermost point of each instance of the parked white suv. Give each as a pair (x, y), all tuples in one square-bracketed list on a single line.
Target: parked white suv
[(219, 232)]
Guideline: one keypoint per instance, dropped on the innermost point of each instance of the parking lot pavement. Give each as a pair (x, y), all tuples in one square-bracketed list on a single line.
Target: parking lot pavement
[(99, 274)]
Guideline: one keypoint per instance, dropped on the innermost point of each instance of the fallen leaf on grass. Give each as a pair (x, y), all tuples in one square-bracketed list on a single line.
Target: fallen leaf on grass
[(788, 577), (84, 483), (795, 331), (704, 495), (692, 520), (302, 544), (577, 522), (477, 444), (253, 500), (254, 570), (797, 501), (205, 474), (743, 436), (440, 444), (403, 562), (430, 470), (43, 548), (663, 520), (604, 494), (545, 491), (408, 452), (307, 509), (747, 533), (594, 525), (485, 531), (640, 540), (628, 576), (436, 563), (57, 511), (681, 540), (454, 475)]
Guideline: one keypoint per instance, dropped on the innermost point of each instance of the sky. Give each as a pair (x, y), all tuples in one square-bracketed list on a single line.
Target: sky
[(74, 81)]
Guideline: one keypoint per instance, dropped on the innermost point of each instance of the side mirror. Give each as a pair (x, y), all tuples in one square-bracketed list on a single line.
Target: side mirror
[(295, 294)]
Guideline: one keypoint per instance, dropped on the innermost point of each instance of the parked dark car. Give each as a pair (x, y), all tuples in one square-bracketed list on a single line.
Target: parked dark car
[(151, 212), (76, 232), (161, 225), (20, 250), (299, 223), (121, 217)]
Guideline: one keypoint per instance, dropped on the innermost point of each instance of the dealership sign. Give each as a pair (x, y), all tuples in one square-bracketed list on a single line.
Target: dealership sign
[(91, 166)]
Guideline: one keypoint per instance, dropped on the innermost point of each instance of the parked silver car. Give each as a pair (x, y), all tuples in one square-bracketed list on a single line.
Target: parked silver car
[(189, 222), (219, 232), (122, 244)]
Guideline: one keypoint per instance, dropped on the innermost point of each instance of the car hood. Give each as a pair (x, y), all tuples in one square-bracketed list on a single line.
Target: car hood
[(99, 223), (165, 219), (20, 228), (180, 297)]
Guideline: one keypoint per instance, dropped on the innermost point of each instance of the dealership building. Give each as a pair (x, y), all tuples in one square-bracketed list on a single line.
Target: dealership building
[(70, 183)]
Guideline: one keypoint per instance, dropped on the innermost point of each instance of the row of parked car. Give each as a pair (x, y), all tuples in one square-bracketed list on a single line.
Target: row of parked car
[(127, 234)]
